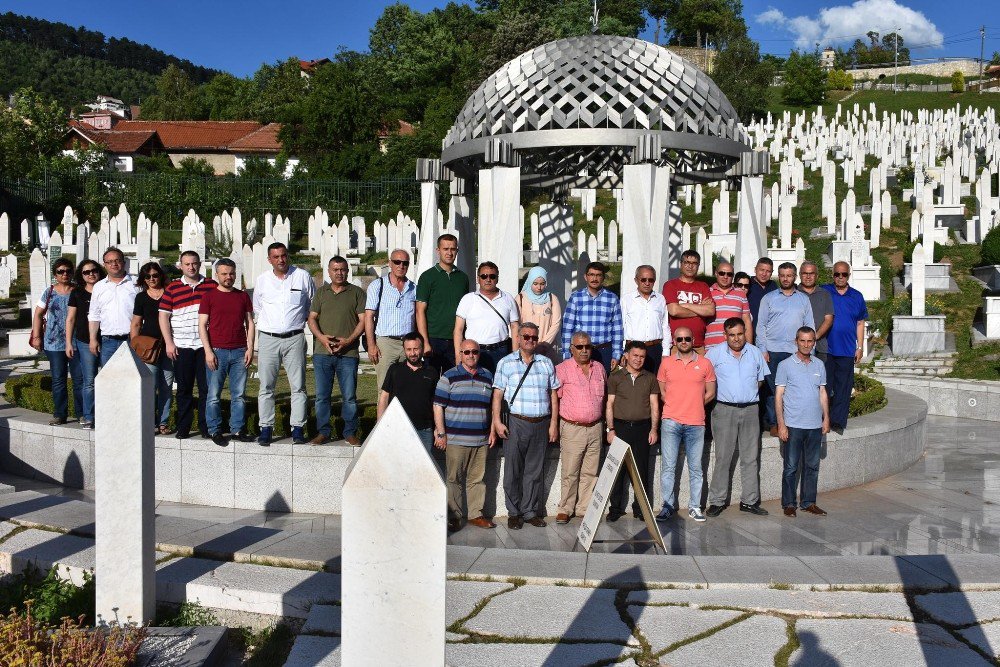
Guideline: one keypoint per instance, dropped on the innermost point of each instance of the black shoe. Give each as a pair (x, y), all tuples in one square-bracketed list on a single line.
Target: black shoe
[(205, 434), (614, 515), (715, 510), (243, 436), (515, 522), (753, 509), (837, 428), (220, 440), (182, 436)]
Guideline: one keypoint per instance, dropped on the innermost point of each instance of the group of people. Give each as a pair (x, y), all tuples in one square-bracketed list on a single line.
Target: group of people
[(476, 368)]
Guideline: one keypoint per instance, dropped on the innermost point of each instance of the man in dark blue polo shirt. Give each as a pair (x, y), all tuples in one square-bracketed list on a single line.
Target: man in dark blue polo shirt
[(844, 350)]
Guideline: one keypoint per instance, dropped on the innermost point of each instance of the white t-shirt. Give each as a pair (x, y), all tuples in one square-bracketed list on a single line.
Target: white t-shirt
[(482, 323)]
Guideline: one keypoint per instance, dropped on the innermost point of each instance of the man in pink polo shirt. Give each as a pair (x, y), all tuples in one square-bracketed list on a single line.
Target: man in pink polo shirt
[(687, 384), (581, 398)]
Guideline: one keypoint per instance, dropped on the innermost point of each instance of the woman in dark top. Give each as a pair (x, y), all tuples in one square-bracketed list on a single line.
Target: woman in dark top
[(48, 335), (78, 338), (146, 322)]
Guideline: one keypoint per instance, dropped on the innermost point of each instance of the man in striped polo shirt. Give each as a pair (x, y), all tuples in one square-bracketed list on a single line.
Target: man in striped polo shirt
[(179, 323), (463, 428), (730, 301)]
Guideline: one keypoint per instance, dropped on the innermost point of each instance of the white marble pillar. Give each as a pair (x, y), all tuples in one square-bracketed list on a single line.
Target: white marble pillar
[(500, 238), (460, 218), (555, 248), (430, 226), (750, 243), (647, 237), (918, 286)]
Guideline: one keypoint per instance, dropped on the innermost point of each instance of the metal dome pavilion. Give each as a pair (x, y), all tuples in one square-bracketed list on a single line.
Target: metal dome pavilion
[(574, 111)]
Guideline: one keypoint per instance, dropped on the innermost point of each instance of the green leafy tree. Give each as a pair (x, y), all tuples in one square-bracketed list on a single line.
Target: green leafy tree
[(175, 99), (957, 82), (31, 133), (995, 60), (692, 22), (194, 166), (744, 77), (838, 79), (658, 10), (805, 80)]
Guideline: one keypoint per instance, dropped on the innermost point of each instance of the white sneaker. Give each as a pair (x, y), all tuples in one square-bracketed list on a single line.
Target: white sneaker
[(696, 514)]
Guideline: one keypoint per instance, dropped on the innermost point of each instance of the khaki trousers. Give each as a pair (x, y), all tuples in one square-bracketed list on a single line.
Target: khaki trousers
[(466, 467), (391, 351), (580, 458)]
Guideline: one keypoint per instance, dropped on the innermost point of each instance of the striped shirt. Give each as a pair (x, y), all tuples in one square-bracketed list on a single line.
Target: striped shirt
[(533, 400), (397, 312), (600, 316), (727, 304), (466, 401), (182, 301)]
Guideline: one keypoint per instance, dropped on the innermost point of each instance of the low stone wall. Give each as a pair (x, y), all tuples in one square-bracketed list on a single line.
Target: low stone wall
[(305, 478), (945, 397), (967, 67)]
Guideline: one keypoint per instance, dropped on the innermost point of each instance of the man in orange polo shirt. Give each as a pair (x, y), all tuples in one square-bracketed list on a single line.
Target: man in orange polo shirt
[(687, 384)]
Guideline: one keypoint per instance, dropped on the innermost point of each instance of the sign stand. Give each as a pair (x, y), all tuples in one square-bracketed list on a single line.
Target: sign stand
[(619, 454)]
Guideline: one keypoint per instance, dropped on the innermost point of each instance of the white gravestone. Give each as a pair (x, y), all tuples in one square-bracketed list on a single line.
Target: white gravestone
[(38, 275), (918, 295), (4, 232)]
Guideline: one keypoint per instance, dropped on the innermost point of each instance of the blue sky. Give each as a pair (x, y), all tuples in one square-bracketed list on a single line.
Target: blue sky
[(239, 36)]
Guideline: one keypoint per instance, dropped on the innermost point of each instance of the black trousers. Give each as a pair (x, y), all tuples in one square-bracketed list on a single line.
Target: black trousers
[(636, 434), (189, 369), (442, 354)]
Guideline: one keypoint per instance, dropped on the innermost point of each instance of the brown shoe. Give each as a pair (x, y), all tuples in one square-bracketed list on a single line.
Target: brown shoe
[(774, 431), (790, 510), (815, 509), (515, 522), (353, 441), (537, 522), (482, 522), (320, 440), (562, 518)]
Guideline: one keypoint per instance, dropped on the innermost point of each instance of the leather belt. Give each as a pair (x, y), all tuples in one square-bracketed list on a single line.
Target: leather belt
[(392, 337), (531, 420), (738, 405), (581, 424), (647, 343), (287, 334), (634, 422), (115, 336), (495, 346)]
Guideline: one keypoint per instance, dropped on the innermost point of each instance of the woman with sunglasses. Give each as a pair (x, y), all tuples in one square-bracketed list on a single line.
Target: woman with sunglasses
[(537, 304), (146, 322), (48, 334), (78, 338)]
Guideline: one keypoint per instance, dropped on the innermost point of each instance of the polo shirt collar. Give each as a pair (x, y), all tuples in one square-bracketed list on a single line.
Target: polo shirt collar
[(437, 265), (677, 356), (799, 361)]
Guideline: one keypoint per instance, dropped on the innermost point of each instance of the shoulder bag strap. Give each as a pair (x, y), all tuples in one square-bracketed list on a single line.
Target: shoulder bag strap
[(502, 318), (523, 377)]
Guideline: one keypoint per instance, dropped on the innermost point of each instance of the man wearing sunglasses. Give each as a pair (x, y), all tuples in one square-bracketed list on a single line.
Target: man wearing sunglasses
[(644, 317), (846, 336), (597, 311), (689, 303), (439, 289), (489, 316), (390, 314), (729, 302)]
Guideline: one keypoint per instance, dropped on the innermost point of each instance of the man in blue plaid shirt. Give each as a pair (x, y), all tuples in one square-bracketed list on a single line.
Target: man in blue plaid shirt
[(598, 312)]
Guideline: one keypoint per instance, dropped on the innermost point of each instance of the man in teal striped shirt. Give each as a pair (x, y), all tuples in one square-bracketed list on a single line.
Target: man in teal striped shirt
[(463, 429)]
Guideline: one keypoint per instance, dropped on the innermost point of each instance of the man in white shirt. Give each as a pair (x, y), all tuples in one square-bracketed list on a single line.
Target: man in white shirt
[(644, 317), (488, 316), (281, 300), (111, 305)]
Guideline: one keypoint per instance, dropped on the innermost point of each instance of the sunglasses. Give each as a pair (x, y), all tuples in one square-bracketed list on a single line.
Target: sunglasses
[(743, 285), (838, 274), (63, 272), (527, 337), (683, 339), (488, 276), (89, 272), (154, 276), (581, 347), (647, 280), (728, 274), (470, 352), (401, 262)]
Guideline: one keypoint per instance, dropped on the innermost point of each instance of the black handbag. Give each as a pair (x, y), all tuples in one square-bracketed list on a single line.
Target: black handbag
[(504, 405)]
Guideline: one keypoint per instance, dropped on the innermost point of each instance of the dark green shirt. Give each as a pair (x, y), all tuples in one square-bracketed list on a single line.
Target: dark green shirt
[(338, 315), (442, 291)]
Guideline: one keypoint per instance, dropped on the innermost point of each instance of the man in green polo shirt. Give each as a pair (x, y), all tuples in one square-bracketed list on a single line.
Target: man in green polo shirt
[(439, 289), (337, 323)]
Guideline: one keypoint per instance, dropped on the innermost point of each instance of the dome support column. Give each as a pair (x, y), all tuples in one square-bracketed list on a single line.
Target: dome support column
[(501, 228)]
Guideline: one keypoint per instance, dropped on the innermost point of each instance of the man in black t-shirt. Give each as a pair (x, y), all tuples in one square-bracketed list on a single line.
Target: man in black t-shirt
[(413, 383)]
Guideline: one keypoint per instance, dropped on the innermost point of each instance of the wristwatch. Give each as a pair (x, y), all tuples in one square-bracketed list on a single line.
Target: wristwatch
[(609, 429), (439, 435)]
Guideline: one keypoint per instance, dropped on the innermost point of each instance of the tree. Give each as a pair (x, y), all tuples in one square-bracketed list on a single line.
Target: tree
[(744, 77), (957, 82), (995, 60), (31, 133), (175, 99), (657, 10), (805, 80), (690, 21)]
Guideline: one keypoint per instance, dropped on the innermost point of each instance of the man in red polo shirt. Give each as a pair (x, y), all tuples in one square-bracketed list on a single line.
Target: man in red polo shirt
[(689, 303), (687, 384)]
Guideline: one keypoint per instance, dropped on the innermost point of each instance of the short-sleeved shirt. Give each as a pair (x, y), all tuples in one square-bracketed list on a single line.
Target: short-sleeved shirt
[(780, 317), (684, 397), (148, 310), (756, 293), (487, 320), (822, 306), (801, 380), (581, 397), (848, 309), (679, 292), (727, 304), (396, 308), (533, 400), (227, 315), (182, 301), (466, 400), (79, 298), (338, 315), (441, 291), (415, 391), (55, 305), (632, 393), (736, 378)]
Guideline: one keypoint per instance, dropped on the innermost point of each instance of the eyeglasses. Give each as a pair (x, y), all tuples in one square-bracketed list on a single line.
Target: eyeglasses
[(488, 276), (839, 274), (89, 272), (647, 280), (401, 262), (728, 274), (63, 272), (807, 273), (339, 270), (112, 261), (595, 275), (683, 339), (153, 276), (470, 352), (743, 285), (692, 262), (581, 347), (527, 337)]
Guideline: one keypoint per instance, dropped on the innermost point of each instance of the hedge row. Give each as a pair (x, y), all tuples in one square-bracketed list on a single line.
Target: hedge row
[(869, 396)]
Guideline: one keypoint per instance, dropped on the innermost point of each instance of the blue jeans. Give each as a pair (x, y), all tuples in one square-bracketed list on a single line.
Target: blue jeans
[(59, 364), (770, 416), (83, 391), (803, 445), (108, 348), (326, 366), (163, 388), (426, 436), (672, 434), (230, 364)]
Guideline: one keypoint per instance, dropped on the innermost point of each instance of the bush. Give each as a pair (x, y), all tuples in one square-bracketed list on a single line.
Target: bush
[(51, 598), (957, 82), (989, 251), (805, 81), (838, 79), (869, 396)]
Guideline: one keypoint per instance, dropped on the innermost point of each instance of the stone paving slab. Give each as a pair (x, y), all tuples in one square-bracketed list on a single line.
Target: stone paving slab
[(6, 528), (551, 655), (755, 572), (961, 571), (751, 642), (985, 636), (182, 647), (300, 549), (638, 569), (798, 602), (460, 558), (867, 642), (890, 571), (961, 608), (543, 566), (461, 597), (261, 589), (665, 626), (225, 541), (314, 651), (169, 527), (570, 613), (323, 619)]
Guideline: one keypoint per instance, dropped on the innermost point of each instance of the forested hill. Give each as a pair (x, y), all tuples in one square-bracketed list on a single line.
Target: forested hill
[(74, 65)]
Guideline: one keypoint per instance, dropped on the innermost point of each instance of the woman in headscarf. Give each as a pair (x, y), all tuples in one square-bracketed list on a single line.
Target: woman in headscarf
[(537, 304)]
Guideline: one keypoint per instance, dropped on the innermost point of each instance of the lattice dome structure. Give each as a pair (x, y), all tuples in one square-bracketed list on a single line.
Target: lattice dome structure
[(576, 110)]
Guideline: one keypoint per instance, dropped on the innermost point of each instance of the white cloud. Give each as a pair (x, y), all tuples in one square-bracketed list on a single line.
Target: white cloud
[(845, 23)]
